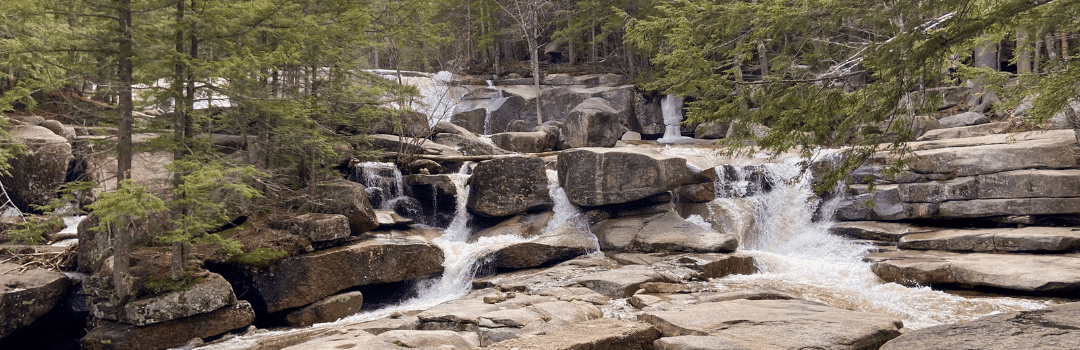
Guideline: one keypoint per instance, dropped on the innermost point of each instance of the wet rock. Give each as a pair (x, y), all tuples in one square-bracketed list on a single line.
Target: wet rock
[(525, 142), (212, 293), (346, 198), (557, 276), (660, 233), (563, 243), (695, 193), (593, 123), (307, 278), (456, 315), (876, 230), (601, 334), (1018, 273), (401, 322), (621, 282), (27, 295), (390, 218), (771, 324), (711, 130), (39, 173), (326, 310), (1028, 239), (965, 131), (174, 333), (963, 119), (600, 176), (1055, 327), (508, 186), (524, 226)]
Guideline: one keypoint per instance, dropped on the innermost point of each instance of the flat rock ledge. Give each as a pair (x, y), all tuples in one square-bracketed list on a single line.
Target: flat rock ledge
[(770, 324), (1056, 327), (1019, 273), (1028, 239), (601, 334)]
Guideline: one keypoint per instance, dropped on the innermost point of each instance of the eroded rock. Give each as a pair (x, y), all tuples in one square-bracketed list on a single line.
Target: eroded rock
[(599, 176), (508, 186), (27, 295)]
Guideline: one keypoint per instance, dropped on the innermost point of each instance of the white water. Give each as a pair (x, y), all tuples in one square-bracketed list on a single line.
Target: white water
[(800, 258), (387, 178), (437, 97), (671, 106)]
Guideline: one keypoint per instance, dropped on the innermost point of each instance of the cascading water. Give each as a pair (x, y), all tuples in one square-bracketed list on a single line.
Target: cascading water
[(801, 258), (438, 97), (671, 107), (383, 182)]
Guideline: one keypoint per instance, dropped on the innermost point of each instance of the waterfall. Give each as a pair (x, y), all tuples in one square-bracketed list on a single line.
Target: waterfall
[(383, 182), (671, 106), (564, 211), (438, 97), (800, 257), (491, 108)]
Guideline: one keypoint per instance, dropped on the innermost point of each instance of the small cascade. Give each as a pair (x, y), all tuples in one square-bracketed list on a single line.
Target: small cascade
[(799, 257), (491, 108), (564, 211), (671, 106), (383, 182), (438, 97)]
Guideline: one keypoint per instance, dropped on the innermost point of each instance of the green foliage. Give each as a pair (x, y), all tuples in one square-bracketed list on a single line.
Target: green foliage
[(157, 285), (33, 232), (9, 150), (258, 257), (202, 199), (128, 202)]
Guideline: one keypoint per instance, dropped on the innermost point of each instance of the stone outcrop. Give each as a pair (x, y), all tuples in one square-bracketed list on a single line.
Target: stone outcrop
[(965, 131), (771, 324), (345, 198), (27, 294), (524, 226), (307, 278), (394, 143), (602, 334), (593, 123), (661, 233), (508, 186), (621, 282), (39, 173), (210, 294), (1056, 327), (1019, 240), (600, 176), (326, 310), (169, 334), (317, 227), (563, 243), (468, 144), (525, 142), (1016, 273), (876, 230), (963, 119)]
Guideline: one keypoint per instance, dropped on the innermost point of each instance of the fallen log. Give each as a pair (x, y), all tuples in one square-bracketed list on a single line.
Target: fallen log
[(439, 158)]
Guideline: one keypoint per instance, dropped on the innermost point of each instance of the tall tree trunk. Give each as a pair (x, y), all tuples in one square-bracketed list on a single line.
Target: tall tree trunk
[(763, 59), (121, 249), (1023, 59), (180, 114), (531, 41)]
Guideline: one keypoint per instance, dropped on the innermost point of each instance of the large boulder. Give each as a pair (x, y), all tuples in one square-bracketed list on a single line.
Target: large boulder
[(307, 278), (593, 123), (210, 294), (1018, 273), (472, 120), (563, 243), (38, 174), (963, 119), (621, 282), (27, 294), (345, 198), (523, 226), (1055, 327), (601, 176), (1029, 239), (326, 310), (525, 142), (1054, 149), (317, 227), (468, 144), (771, 324), (667, 232), (169, 334), (508, 186)]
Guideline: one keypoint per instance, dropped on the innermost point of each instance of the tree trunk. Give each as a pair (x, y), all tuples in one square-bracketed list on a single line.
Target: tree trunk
[(126, 106), (986, 56), (763, 59), (180, 111), (536, 76), (1023, 59)]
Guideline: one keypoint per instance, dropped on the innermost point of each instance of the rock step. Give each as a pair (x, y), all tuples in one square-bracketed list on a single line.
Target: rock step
[(1019, 273), (876, 230), (1028, 239), (1056, 327), (770, 324), (601, 334)]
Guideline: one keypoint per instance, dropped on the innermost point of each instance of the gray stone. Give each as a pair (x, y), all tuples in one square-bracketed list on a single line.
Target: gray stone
[(599, 176), (563, 243), (876, 230), (711, 130), (326, 310), (965, 131), (1028, 239), (1006, 207), (320, 227), (963, 119), (773, 324), (666, 232), (524, 142), (427, 339), (169, 334), (472, 120), (39, 173), (1054, 149), (1009, 272), (524, 226), (592, 123), (389, 218), (469, 144), (307, 278), (346, 198), (378, 326), (621, 282), (601, 334), (509, 186), (27, 295), (212, 293), (1055, 327), (410, 124), (394, 143)]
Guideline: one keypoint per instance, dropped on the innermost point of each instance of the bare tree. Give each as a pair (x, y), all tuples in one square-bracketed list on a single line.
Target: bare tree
[(526, 14)]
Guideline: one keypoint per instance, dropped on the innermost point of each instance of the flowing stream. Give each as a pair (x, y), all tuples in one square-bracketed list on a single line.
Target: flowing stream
[(801, 258), (671, 107)]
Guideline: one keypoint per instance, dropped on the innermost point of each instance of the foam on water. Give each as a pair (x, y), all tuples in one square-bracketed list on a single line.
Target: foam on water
[(801, 258)]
